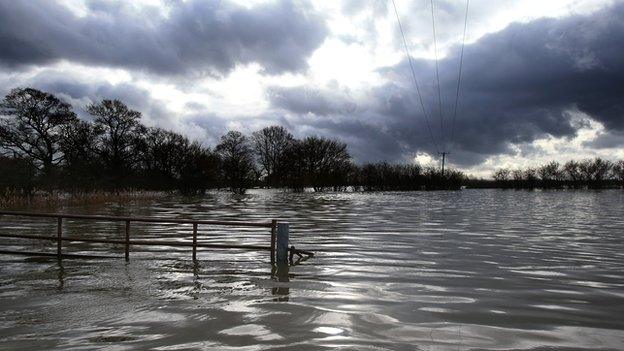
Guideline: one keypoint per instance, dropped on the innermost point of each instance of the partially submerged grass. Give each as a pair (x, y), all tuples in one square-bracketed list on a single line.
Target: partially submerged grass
[(57, 199)]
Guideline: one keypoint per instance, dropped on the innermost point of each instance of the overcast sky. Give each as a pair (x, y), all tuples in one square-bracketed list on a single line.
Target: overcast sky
[(542, 79)]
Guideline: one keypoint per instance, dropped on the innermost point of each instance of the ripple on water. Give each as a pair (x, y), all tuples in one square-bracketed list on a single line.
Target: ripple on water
[(476, 269)]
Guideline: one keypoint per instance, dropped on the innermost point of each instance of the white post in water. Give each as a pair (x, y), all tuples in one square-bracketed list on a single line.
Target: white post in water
[(282, 242)]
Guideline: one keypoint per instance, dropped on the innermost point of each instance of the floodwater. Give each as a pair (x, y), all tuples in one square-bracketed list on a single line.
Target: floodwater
[(473, 269)]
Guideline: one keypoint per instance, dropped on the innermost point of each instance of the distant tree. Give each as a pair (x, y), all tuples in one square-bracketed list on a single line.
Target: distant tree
[(236, 159), (412, 175), (326, 162), (501, 177), (433, 177), (618, 172), (530, 178), (31, 123), (550, 175), (369, 177), (81, 161), (294, 168), (502, 174), (120, 129), (161, 152), (271, 145), (585, 171), (599, 169), (572, 173), (171, 161), (197, 170), (454, 179), (518, 178), (383, 176)]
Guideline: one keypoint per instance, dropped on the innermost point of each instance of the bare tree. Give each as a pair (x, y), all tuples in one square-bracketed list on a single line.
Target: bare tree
[(161, 152), (618, 171), (599, 169), (120, 127), (81, 161), (271, 144), (518, 178), (31, 123), (197, 169), (572, 172), (550, 174), (530, 177), (585, 171), (501, 176), (383, 176), (171, 161), (325, 162), (237, 163)]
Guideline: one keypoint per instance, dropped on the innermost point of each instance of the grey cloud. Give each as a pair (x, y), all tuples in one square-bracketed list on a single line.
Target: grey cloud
[(366, 141), (518, 85), (305, 100), (196, 121), (608, 140), (80, 92), (213, 125), (192, 37)]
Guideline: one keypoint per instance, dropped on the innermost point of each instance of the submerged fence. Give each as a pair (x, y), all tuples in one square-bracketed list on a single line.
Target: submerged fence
[(278, 245)]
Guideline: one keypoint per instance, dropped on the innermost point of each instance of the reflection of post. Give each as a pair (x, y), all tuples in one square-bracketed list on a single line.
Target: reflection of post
[(195, 242), (61, 275), (59, 236), (197, 285), (282, 243), (280, 271), (127, 246), (273, 234)]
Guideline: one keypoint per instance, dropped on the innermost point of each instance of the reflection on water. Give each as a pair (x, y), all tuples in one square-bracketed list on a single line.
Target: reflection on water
[(280, 275), (476, 269)]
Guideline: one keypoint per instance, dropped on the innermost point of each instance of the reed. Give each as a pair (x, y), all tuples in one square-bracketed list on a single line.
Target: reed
[(58, 198)]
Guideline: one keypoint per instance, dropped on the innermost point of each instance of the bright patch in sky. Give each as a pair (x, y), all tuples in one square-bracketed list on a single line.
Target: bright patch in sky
[(351, 81)]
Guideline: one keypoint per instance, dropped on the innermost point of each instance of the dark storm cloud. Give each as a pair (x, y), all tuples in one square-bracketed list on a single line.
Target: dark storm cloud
[(366, 141), (319, 102), (196, 122), (518, 85), (80, 93), (193, 37)]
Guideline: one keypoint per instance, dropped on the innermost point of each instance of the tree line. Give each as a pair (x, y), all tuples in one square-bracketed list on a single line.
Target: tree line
[(589, 173), (44, 145)]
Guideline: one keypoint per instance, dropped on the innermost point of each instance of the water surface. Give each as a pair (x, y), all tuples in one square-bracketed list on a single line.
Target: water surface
[(475, 269)]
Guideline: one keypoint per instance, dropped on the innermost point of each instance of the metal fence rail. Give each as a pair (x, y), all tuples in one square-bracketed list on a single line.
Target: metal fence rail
[(276, 251)]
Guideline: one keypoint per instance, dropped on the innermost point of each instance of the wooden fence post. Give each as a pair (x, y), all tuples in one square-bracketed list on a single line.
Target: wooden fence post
[(59, 236), (127, 240), (273, 229), (282, 242), (278, 249), (194, 241)]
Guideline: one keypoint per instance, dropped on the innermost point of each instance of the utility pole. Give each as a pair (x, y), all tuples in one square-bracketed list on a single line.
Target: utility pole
[(444, 153)]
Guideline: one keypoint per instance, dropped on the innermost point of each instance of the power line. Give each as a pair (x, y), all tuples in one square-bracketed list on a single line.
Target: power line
[(409, 58), (461, 63), (435, 48)]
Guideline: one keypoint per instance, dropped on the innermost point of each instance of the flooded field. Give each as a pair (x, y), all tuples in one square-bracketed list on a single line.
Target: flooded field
[(475, 269)]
